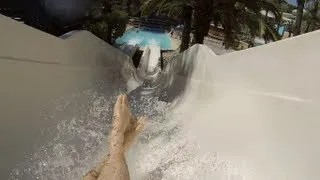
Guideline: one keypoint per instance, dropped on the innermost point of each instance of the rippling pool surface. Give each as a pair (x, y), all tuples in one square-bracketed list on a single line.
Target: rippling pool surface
[(144, 38)]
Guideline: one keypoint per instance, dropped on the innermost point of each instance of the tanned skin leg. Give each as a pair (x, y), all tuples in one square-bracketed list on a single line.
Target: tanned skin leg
[(124, 131)]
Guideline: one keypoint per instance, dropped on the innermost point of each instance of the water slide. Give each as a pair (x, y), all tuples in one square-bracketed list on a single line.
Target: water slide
[(252, 114)]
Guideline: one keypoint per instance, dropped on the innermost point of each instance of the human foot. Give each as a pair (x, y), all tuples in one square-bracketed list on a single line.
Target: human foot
[(135, 127), (121, 114), (125, 129)]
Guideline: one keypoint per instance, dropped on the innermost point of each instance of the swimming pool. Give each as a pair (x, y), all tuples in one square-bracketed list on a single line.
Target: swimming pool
[(144, 38)]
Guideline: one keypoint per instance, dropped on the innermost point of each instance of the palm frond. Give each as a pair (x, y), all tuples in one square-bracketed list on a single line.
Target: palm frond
[(271, 31), (272, 7), (173, 8), (151, 6), (255, 24)]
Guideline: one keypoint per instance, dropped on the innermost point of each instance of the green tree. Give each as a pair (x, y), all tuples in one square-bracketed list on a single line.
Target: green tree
[(129, 2), (238, 16), (300, 8), (203, 10), (286, 7), (106, 22), (307, 19), (187, 17), (312, 15), (281, 5), (233, 15)]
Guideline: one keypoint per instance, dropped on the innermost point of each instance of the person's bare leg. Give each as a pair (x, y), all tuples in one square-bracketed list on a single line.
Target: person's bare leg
[(134, 129), (116, 167), (125, 130)]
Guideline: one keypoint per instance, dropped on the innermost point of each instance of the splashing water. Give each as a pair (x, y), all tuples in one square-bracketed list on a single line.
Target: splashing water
[(165, 150), (79, 141)]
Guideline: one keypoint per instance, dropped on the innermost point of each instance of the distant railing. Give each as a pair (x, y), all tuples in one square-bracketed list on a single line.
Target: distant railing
[(150, 24)]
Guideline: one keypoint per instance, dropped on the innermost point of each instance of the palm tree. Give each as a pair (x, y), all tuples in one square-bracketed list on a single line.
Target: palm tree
[(232, 15), (106, 22), (238, 15), (310, 18), (297, 27), (314, 15), (280, 5), (187, 16), (203, 10), (307, 19), (173, 8), (128, 8)]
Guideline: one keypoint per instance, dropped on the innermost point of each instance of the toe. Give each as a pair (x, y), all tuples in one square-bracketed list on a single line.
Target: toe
[(125, 101)]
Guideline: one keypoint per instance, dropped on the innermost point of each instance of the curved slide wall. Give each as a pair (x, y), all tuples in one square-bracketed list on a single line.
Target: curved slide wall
[(46, 80), (252, 114)]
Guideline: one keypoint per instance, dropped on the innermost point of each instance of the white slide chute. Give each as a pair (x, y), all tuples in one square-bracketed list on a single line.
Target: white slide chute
[(247, 115)]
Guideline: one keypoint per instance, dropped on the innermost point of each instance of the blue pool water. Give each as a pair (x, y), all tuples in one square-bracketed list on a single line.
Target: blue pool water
[(144, 38)]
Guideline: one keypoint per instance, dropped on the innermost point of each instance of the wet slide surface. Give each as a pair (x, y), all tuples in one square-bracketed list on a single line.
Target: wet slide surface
[(252, 114)]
